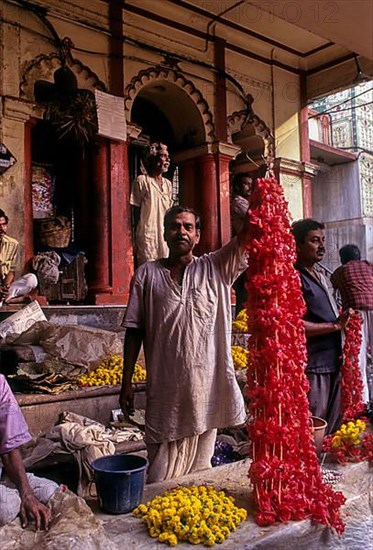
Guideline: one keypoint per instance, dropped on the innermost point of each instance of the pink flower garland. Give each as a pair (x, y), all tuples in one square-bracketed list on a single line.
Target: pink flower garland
[(285, 471)]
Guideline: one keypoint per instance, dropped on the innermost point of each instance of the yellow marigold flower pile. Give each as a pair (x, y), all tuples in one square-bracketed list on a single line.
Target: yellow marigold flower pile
[(195, 514), (240, 322), (349, 434), (240, 357), (139, 374), (109, 373)]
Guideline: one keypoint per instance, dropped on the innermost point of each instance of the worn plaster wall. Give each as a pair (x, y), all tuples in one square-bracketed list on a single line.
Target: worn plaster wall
[(12, 119), (337, 202), (24, 37)]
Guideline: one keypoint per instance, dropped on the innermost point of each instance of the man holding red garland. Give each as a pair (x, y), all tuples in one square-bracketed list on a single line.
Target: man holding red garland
[(322, 324)]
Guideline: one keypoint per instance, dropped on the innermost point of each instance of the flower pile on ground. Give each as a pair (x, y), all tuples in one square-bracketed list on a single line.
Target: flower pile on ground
[(240, 357), (109, 373), (239, 324), (351, 443), (195, 514), (285, 471)]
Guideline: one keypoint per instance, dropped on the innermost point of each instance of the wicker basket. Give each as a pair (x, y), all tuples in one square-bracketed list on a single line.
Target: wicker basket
[(56, 234)]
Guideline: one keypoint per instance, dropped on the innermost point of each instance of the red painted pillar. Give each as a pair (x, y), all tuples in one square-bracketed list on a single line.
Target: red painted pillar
[(113, 256), (99, 254), (188, 188), (208, 205), (222, 163), (307, 196), (121, 221)]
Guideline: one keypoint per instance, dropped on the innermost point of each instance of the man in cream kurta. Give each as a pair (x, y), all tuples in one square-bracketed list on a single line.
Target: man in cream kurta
[(182, 314), (151, 197)]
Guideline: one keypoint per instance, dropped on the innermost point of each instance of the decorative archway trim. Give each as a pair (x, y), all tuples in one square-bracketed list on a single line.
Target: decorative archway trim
[(171, 76), (43, 67), (239, 119)]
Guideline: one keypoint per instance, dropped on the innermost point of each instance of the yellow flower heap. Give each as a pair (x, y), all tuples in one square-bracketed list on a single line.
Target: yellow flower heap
[(349, 434), (196, 514), (109, 373), (240, 357), (240, 322)]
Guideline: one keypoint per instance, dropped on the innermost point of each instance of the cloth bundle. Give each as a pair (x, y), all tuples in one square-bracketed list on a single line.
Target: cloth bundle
[(85, 439), (46, 266)]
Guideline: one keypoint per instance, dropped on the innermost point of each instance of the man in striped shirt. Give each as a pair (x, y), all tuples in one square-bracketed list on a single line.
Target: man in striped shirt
[(354, 281), (9, 287)]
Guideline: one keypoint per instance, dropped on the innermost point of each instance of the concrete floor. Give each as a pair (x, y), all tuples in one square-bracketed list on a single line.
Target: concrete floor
[(356, 483)]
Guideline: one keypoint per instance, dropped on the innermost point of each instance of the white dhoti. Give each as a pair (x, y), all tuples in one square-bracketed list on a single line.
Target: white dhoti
[(22, 286), (10, 501), (177, 458)]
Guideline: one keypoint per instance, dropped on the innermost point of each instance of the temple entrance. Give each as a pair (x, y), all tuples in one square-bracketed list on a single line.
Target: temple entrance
[(155, 127), (169, 113)]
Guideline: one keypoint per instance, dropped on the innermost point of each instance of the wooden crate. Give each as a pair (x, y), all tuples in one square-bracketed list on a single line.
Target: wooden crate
[(71, 286)]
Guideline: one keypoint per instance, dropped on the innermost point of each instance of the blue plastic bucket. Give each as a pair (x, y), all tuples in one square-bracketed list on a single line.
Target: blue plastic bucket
[(120, 482)]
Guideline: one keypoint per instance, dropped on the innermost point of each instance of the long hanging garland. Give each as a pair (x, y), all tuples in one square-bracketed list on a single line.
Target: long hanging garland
[(352, 442), (351, 381), (285, 471)]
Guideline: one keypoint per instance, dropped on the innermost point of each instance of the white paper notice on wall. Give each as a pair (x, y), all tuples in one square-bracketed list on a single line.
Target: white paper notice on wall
[(111, 116)]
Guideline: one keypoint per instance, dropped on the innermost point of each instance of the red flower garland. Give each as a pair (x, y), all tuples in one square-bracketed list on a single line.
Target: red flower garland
[(285, 471), (351, 382), (351, 397)]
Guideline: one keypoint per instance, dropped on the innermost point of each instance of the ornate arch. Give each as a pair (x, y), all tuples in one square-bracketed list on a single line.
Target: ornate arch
[(239, 119), (172, 76), (43, 67)]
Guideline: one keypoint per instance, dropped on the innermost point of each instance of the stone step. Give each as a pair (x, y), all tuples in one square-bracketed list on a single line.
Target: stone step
[(108, 317)]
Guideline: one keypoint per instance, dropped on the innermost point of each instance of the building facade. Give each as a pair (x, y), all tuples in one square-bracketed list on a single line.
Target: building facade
[(341, 137), (225, 85)]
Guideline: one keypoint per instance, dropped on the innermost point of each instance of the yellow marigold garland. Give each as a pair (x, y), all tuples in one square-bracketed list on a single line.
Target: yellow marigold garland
[(349, 434), (195, 514), (240, 322), (240, 357), (109, 373), (353, 442)]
